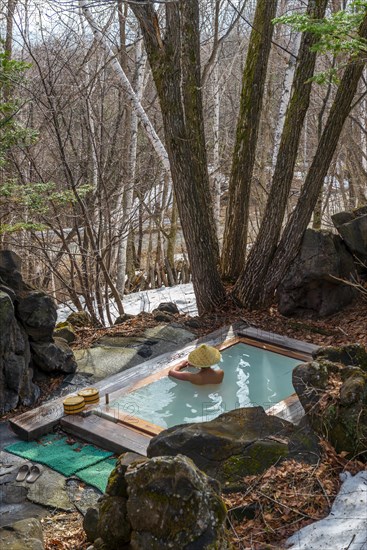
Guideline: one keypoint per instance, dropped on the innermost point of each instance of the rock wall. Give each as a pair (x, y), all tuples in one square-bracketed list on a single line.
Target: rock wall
[(27, 322), (313, 285), (333, 391)]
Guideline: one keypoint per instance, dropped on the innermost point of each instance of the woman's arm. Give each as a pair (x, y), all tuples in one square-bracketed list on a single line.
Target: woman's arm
[(176, 373)]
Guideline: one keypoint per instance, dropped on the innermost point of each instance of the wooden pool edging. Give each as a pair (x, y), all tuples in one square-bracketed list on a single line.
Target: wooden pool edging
[(90, 427), (41, 420), (129, 419)]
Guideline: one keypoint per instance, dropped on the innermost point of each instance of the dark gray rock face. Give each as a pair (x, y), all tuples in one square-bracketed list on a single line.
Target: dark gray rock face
[(236, 444), (352, 227), (37, 313), (54, 356), (27, 321), (16, 385), (311, 288)]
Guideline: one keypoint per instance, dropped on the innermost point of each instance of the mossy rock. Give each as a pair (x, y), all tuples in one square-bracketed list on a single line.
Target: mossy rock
[(236, 444), (80, 319), (113, 524), (66, 331), (172, 504), (117, 486), (352, 354), (339, 417)]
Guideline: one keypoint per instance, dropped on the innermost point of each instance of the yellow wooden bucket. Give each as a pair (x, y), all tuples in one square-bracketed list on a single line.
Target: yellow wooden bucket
[(73, 404), (90, 395)]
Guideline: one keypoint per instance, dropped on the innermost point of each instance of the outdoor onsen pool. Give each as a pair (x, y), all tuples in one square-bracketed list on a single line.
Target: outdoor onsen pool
[(254, 374)]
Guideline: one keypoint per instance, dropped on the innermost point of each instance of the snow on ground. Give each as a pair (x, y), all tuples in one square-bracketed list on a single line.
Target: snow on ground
[(346, 525), (147, 300)]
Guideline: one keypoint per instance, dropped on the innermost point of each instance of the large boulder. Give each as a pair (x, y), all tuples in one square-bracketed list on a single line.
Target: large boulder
[(54, 356), (334, 396), (10, 276), (160, 504), (37, 313), (352, 226), (172, 504), (242, 442), (313, 285), (16, 387)]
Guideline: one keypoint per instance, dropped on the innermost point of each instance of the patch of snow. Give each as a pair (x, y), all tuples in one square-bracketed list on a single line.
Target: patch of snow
[(147, 300), (346, 525)]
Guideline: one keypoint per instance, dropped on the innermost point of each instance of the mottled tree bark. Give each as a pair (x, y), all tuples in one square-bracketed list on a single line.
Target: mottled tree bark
[(175, 62), (301, 216), (253, 83), (249, 285)]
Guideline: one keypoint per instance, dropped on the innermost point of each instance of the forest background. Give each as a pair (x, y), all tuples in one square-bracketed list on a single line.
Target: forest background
[(147, 143)]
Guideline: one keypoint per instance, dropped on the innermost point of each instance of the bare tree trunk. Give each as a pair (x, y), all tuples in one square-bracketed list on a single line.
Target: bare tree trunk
[(253, 84), (129, 189), (295, 228), (249, 285), (136, 105), (175, 64)]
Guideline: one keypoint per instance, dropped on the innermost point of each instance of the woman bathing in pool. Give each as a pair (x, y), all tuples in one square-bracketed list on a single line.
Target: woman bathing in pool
[(202, 358)]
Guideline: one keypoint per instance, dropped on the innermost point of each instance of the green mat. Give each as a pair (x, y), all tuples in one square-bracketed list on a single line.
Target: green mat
[(53, 451), (98, 474)]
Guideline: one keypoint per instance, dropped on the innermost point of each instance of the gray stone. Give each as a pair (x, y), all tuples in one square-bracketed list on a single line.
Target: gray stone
[(90, 524), (80, 319), (352, 354), (49, 490), (354, 234), (66, 331), (101, 362), (163, 317), (37, 313), (10, 264), (117, 486), (241, 442), (123, 318), (352, 226), (22, 535), (54, 356), (118, 353), (312, 286), (172, 504), (83, 496), (168, 307), (113, 523)]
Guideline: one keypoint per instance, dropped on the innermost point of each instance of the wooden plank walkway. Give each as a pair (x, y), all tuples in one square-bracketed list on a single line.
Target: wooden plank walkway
[(37, 422), (106, 434)]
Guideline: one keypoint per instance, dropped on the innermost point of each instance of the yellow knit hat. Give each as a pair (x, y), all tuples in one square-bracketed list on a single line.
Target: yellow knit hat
[(204, 356)]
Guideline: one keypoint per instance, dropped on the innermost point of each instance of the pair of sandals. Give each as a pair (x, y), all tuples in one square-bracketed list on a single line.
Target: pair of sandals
[(29, 473)]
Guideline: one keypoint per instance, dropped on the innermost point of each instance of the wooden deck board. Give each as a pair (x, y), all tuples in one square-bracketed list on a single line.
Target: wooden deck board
[(106, 434), (277, 339)]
